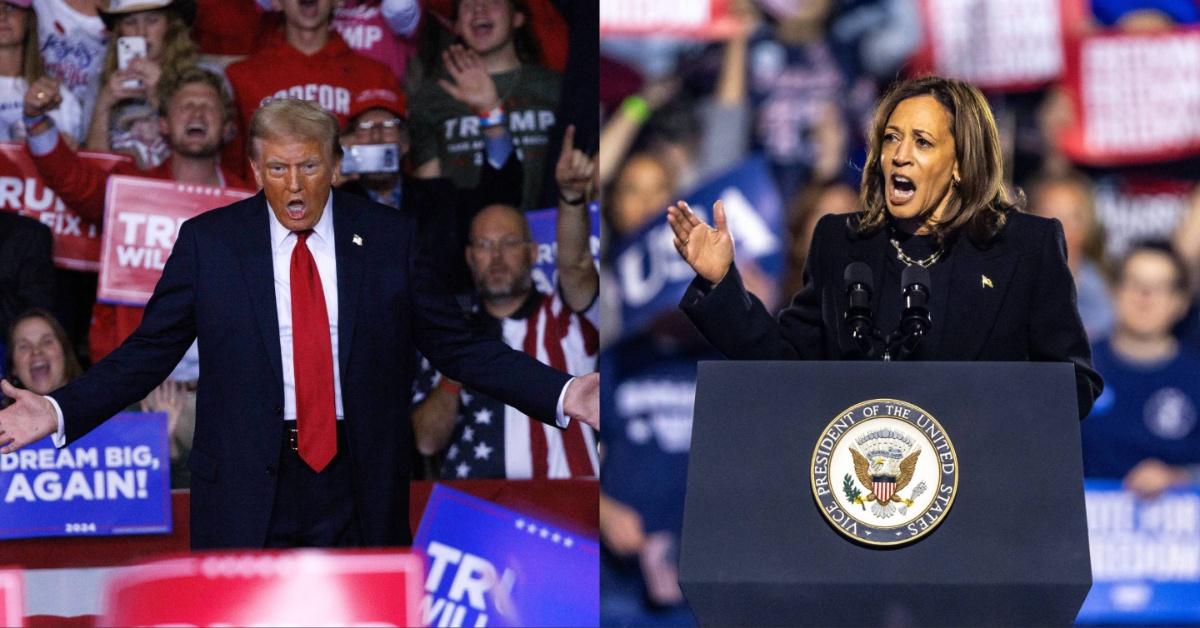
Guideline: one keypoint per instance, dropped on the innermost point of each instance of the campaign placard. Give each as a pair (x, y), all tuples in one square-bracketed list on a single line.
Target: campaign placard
[(1145, 556), (113, 481), (706, 19), (490, 566), (1004, 45), (268, 588), (651, 277), (142, 218), (1135, 97), (12, 598), (76, 242), (543, 225)]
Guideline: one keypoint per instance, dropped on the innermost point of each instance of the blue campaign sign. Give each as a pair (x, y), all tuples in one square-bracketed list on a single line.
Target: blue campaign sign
[(490, 566), (650, 275), (114, 481), (1145, 557), (542, 224)]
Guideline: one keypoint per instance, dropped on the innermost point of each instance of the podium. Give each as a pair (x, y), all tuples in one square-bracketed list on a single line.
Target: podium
[(758, 549)]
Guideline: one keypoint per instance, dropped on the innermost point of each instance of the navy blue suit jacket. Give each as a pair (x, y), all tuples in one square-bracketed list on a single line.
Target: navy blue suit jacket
[(218, 286), (1028, 313)]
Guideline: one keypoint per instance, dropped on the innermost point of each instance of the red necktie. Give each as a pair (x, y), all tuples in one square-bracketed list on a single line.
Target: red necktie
[(312, 357)]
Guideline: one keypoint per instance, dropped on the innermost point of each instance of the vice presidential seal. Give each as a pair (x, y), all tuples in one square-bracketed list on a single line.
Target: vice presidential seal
[(884, 472)]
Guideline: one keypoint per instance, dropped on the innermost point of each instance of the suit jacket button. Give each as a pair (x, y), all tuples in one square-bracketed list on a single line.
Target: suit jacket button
[(278, 410), (271, 470)]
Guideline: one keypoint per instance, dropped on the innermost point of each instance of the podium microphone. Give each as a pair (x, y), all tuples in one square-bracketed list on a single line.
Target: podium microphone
[(914, 319), (859, 283)]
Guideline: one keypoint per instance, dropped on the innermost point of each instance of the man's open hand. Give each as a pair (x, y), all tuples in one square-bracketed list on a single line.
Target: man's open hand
[(30, 418)]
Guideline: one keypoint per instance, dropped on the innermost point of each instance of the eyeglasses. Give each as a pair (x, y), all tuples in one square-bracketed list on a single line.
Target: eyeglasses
[(394, 125), (507, 245)]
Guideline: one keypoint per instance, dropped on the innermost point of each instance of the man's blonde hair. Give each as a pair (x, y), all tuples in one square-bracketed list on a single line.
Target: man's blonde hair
[(293, 118)]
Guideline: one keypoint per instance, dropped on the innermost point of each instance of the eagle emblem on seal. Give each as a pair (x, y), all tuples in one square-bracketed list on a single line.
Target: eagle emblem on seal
[(884, 463)]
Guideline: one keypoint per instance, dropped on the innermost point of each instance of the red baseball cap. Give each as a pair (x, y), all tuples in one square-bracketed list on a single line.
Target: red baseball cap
[(392, 100)]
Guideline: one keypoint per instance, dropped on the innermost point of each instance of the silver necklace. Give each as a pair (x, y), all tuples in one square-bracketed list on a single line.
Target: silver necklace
[(923, 263)]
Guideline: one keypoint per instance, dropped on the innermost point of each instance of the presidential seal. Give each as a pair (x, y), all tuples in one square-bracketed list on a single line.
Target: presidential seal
[(884, 472)]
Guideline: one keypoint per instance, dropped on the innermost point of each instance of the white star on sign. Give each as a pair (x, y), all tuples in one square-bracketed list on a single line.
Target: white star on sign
[(484, 416), (569, 541), (556, 537), (520, 524), (468, 433), (897, 534), (544, 533), (452, 453), (532, 529), (466, 397), (463, 469), (482, 451)]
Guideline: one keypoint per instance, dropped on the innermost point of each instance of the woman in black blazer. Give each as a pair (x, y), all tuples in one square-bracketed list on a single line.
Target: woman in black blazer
[(932, 196)]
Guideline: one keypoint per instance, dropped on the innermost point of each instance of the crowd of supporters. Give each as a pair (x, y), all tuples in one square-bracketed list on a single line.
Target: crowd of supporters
[(463, 111), (792, 84)]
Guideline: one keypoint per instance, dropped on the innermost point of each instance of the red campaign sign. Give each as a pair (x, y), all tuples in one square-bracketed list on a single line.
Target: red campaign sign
[(275, 588), (142, 218), (704, 19), (76, 242), (12, 598), (1135, 98)]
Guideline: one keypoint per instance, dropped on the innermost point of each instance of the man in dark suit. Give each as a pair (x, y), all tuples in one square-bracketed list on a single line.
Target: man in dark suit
[(26, 269), (307, 304)]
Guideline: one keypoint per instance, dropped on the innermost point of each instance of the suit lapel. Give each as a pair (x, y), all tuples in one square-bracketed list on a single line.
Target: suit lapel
[(349, 242), (255, 256), (978, 282)]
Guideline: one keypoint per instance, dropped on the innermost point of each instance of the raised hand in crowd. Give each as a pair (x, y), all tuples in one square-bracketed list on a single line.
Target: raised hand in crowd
[(707, 250), (42, 96), (577, 276), (31, 417), (471, 84), (168, 397)]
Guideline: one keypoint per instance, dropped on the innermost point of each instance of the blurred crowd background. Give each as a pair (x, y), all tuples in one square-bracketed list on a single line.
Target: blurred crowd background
[(469, 112), (765, 104)]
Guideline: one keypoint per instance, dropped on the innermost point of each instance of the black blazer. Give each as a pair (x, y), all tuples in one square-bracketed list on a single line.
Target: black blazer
[(26, 268), (1028, 313), (218, 286)]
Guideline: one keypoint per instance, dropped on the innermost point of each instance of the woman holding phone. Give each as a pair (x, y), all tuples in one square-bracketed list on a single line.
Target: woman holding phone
[(151, 37)]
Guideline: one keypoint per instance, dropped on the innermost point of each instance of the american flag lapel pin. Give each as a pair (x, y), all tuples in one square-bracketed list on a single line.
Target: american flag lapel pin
[(985, 281), (357, 240)]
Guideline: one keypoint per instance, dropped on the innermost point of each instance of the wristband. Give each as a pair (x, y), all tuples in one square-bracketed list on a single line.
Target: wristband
[(636, 108), (573, 202), (37, 124), (493, 118), (449, 386)]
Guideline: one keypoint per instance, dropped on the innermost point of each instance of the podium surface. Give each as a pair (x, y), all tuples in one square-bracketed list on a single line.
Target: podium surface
[(1012, 548)]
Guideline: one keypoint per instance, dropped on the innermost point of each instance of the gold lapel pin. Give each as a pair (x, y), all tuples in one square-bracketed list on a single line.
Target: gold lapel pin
[(986, 281), (357, 239)]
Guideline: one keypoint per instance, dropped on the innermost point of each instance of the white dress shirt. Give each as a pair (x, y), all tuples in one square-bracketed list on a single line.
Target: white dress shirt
[(321, 245)]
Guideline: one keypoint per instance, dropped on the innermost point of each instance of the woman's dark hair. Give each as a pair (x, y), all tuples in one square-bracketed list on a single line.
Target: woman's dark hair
[(71, 368), (980, 202)]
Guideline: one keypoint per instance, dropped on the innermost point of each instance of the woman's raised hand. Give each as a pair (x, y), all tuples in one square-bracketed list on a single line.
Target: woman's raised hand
[(707, 250)]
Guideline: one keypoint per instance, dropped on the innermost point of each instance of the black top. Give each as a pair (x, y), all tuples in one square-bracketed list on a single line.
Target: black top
[(1010, 300)]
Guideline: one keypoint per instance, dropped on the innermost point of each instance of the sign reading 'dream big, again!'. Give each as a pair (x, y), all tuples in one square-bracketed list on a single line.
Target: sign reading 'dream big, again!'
[(142, 218), (884, 472), (113, 481)]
